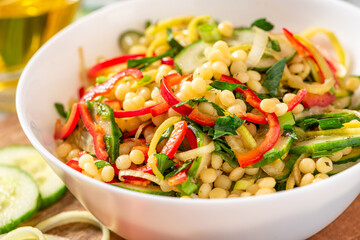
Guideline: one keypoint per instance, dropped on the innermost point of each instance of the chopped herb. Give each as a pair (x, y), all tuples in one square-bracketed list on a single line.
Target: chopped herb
[(227, 126), (101, 163), (101, 79), (286, 119), (274, 45), (174, 171), (145, 80), (280, 186), (263, 24), (289, 131), (172, 42), (273, 77), (196, 101), (167, 133), (227, 158), (330, 123), (222, 147), (61, 110), (226, 86), (142, 63), (147, 24), (164, 162), (188, 187)]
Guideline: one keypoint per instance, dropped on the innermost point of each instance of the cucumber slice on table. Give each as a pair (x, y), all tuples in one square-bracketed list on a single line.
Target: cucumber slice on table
[(28, 159), (191, 57), (19, 197), (148, 189)]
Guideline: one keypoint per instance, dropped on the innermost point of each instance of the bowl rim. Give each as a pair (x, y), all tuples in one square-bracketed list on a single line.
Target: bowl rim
[(297, 192)]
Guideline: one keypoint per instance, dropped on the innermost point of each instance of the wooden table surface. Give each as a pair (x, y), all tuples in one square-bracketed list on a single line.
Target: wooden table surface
[(345, 227)]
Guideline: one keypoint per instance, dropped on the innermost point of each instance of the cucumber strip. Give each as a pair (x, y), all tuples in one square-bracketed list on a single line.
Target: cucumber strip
[(149, 189), (28, 159), (19, 197), (191, 57), (352, 157), (128, 39), (325, 143)]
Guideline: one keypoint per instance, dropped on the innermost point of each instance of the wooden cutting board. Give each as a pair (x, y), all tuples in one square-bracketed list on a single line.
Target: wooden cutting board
[(345, 227)]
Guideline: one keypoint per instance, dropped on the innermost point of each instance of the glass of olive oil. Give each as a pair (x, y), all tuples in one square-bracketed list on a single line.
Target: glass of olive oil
[(24, 26)]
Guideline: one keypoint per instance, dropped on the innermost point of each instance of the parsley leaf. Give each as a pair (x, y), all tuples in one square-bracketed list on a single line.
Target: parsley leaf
[(101, 163), (196, 101), (263, 24), (227, 125), (172, 42), (274, 45), (226, 86), (61, 110), (273, 77), (164, 162), (142, 63), (177, 170)]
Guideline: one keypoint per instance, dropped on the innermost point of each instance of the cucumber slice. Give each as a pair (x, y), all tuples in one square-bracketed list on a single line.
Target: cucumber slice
[(191, 57), (149, 189), (352, 157), (241, 36), (19, 197), (128, 39), (325, 143), (28, 159)]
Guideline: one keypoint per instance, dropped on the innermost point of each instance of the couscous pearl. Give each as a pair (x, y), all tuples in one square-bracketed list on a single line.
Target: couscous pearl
[(321, 175), (226, 28), (306, 179), (254, 85), (236, 174), (216, 161), (227, 98), (123, 162), (137, 156), (307, 165), (63, 149), (218, 193), (207, 108), (223, 181), (336, 156), (251, 171), (347, 150), (296, 68), (267, 182), (220, 67), (130, 95), (158, 120), (198, 85), (136, 49), (236, 108), (173, 113), (145, 92), (281, 109), (226, 167), (239, 55), (288, 97), (129, 105), (91, 168), (237, 67), (352, 83), (242, 77), (124, 148), (324, 165), (121, 90), (263, 191), (73, 154), (298, 109), (216, 55), (208, 175), (223, 47), (132, 124), (233, 195), (107, 173), (86, 158), (138, 101), (245, 194), (268, 105), (204, 190), (207, 72), (253, 188), (210, 96), (155, 93), (254, 75)]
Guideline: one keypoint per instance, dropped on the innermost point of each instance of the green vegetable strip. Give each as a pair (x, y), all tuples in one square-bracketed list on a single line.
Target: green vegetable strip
[(273, 77), (244, 132), (209, 33)]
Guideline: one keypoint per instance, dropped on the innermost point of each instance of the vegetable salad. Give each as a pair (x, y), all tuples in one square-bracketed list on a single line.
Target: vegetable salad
[(197, 108)]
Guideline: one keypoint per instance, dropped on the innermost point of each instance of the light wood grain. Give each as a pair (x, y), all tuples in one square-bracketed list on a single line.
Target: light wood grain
[(345, 227)]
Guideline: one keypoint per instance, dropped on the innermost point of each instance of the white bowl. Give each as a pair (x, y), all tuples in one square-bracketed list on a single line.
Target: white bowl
[(52, 75)]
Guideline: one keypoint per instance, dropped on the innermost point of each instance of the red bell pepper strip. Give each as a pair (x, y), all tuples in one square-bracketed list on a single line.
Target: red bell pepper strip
[(63, 131), (190, 136), (250, 117), (114, 104), (95, 130), (312, 99), (179, 178), (82, 153), (146, 169), (169, 96), (138, 182), (159, 109), (175, 139), (333, 70), (93, 72), (74, 165), (299, 47), (129, 134), (167, 61), (133, 113), (301, 94), (81, 92), (202, 118), (256, 154), (107, 86)]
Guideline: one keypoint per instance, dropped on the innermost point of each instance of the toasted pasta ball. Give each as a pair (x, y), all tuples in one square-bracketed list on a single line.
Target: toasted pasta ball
[(307, 165), (204, 190), (264, 191), (73, 154), (218, 193), (237, 67), (268, 105), (324, 165), (245, 194), (223, 47), (242, 77), (298, 109), (155, 93), (215, 55), (121, 90), (267, 182), (208, 175), (207, 108), (121, 122), (288, 97), (306, 179), (216, 161), (233, 195), (253, 188), (236, 174), (107, 173), (239, 55), (296, 68), (136, 49), (137, 156), (236, 108), (139, 101), (251, 171), (227, 98), (145, 92), (210, 96), (91, 168), (281, 109), (226, 167), (352, 83), (321, 175), (158, 120), (123, 162), (173, 113), (220, 67), (129, 104), (254, 85), (254, 75), (132, 124), (198, 85), (336, 156), (226, 28), (347, 150), (130, 95), (222, 181), (63, 149), (207, 72), (124, 148), (86, 158)]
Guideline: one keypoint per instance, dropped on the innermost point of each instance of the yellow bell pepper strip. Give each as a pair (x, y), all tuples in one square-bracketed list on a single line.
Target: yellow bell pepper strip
[(63, 131), (255, 155), (95, 130), (193, 34), (106, 87)]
